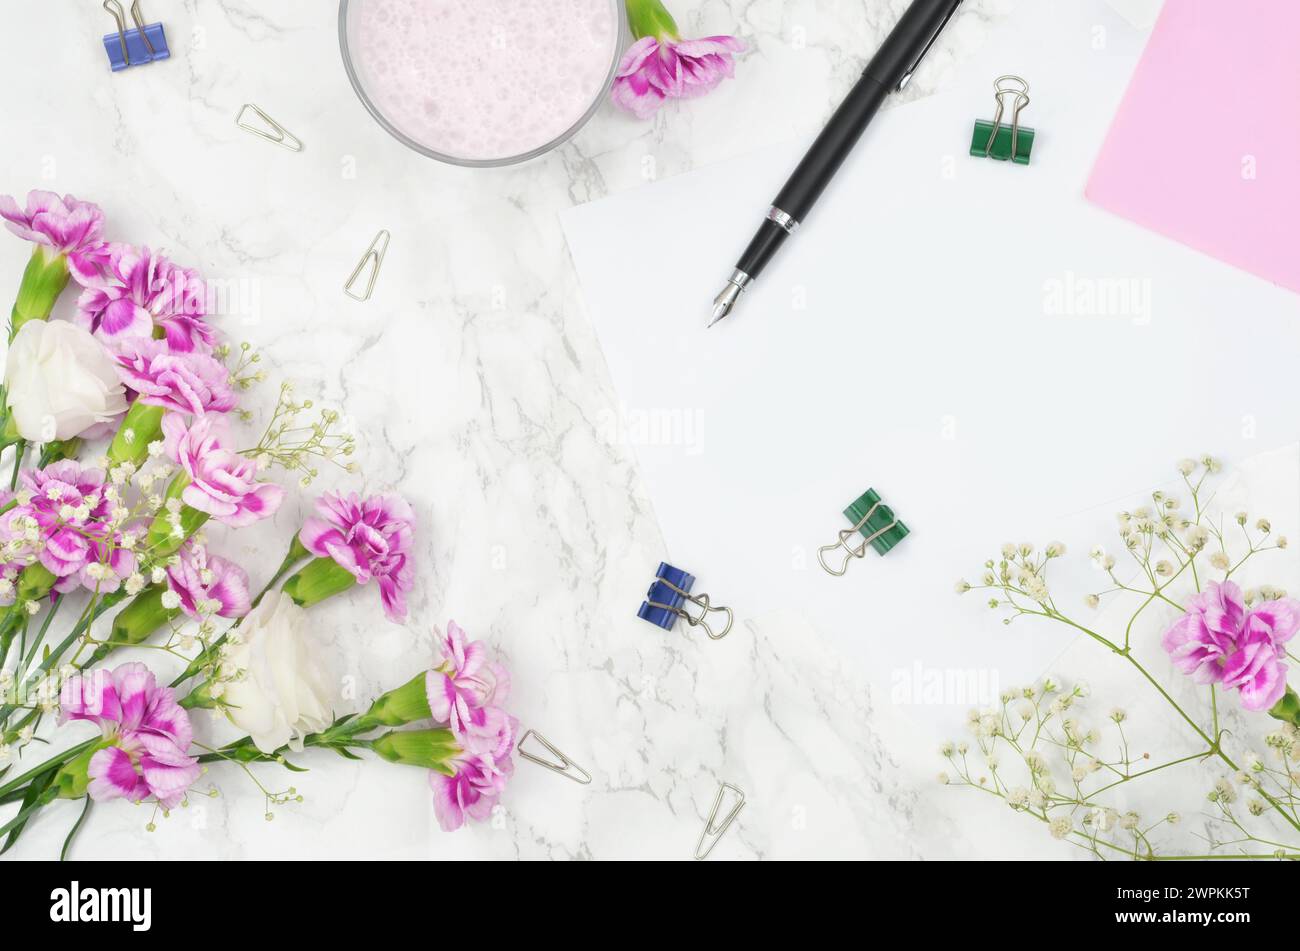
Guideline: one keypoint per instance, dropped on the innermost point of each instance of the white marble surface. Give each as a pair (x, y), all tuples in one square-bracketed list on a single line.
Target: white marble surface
[(475, 384)]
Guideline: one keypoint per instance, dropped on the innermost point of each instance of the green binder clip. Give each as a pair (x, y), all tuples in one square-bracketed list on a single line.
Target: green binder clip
[(994, 140), (875, 522)]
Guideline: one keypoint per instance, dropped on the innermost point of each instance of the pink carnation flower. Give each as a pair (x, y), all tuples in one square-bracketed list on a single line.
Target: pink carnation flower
[(466, 690), (1219, 641), (208, 584), (222, 482), (1201, 640), (185, 382), (65, 225), (474, 790), (72, 515), (148, 732), (371, 538), (656, 69), (145, 290)]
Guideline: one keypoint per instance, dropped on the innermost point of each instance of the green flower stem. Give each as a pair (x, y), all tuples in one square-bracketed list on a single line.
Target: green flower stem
[(341, 736), (43, 281), (650, 18), (92, 613), (20, 450), (54, 762)]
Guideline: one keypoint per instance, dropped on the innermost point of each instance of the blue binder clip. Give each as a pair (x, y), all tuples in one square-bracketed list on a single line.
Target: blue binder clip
[(141, 44), (667, 598)]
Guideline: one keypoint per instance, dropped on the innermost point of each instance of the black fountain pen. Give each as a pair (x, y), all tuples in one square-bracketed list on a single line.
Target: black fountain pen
[(889, 70)]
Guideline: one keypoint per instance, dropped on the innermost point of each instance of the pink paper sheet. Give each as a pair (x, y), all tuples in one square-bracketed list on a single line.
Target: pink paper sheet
[(1206, 146)]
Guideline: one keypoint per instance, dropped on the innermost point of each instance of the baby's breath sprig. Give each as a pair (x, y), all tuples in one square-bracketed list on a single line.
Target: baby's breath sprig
[(298, 448), (246, 372), (1167, 544)]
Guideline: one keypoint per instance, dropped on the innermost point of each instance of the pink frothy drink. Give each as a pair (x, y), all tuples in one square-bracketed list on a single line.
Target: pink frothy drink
[(482, 80)]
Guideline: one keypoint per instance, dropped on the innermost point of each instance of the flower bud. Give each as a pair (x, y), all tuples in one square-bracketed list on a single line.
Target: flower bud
[(1287, 709), (43, 281), (402, 705), (429, 749), (35, 582), (650, 18), (73, 777), (164, 538), (141, 426), (200, 698), (135, 622), (321, 578)]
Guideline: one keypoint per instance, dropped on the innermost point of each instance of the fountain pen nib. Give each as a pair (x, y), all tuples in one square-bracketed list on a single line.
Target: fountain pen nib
[(725, 302)]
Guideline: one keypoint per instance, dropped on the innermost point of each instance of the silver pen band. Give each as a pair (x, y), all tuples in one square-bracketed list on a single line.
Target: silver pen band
[(786, 221)]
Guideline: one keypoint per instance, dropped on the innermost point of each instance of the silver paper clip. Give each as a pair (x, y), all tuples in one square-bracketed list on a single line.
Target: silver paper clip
[(115, 8), (137, 46), (278, 134), (1005, 86), (562, 764), (877, 525), (700, 601), (374, 256), (138, 16), (861, 550), (713, 829)]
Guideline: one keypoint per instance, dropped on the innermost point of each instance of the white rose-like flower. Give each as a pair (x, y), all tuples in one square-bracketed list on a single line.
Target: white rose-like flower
[(279, 697), (60, 381)]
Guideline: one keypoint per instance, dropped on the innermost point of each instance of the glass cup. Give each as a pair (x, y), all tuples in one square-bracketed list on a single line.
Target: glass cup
[(359, 84)]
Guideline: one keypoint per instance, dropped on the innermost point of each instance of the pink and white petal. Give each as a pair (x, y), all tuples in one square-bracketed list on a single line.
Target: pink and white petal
[(65, 551), (125, 318), (344, 555), (393, 600), (1282, 616), (446, 801), (135, 687), (261, 503), (1266, 687), (636, 55), (196, 497), (711, 45), (317, 534), (440, 691), (113, 776), (635, 95), (230, 588), (168, 720)]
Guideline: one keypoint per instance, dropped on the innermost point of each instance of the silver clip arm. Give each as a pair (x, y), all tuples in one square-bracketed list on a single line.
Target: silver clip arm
[(845, 535)]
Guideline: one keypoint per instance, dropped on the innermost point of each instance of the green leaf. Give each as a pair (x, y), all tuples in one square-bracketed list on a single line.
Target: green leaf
[(30, 806), (67, 843)]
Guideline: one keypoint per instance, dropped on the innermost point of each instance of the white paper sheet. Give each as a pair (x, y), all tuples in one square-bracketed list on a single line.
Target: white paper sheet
[(1141, 13), (972, 339)]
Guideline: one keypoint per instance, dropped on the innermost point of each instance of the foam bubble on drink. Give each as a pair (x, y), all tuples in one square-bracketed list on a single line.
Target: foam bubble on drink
[(483, 79)]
